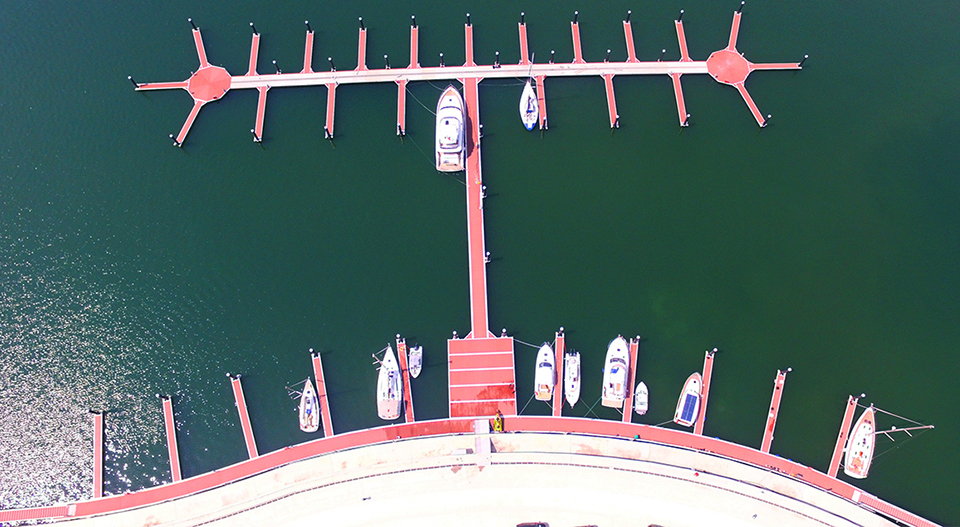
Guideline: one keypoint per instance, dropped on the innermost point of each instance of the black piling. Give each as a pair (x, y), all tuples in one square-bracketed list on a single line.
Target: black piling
[(130, 78), (386, 61), (628, 16), (413, 21), (254, 29), (441, 60), (194, 26), (468, 19), (575, 15), (332, 67), (662, 53), (740, 9), (309, 29), (805, 57), (275, 65), (679, 18), (361, 24)]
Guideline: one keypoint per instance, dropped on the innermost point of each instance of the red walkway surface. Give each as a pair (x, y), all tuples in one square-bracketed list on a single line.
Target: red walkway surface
[(628, 36), (244, 416), (542, 102), (171, 431), (308, 53), (705, 390), (391, 433), (331, 105), (577, 51), (524, 48), (480, 377), (611, 101), (362, 50), (97, 454), (631, 380), (774, 410), (558, 347), (405, 371), (254, 53), (322, 397), (842, 436)]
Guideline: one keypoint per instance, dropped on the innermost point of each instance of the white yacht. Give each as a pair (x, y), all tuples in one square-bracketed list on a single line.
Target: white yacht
[(451, 151)]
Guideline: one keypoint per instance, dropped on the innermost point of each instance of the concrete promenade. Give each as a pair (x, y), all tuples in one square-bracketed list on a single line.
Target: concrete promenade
[(564, 480)]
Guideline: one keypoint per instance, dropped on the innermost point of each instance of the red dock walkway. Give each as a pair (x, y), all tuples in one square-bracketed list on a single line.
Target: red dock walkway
[(405, 371), (97, 454), (244, 416), (558, 347), (171, 431), (774, 410), (628, 37), (631, 380), (842, 436), (322, 396), (705, 390), (480, 377)]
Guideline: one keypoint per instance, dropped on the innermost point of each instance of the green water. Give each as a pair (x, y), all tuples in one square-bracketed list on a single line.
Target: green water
[(826, 242)]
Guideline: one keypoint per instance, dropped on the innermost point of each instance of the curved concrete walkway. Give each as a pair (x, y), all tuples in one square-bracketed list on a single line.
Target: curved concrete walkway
[(561, 479)]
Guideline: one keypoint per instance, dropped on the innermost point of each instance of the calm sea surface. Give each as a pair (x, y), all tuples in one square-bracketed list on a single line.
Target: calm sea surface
[(827, 242)]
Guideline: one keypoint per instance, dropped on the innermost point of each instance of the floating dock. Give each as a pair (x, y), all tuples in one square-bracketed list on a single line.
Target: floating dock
[(774, 410), (322, 394), (244, 416), (704, 390), (559, 345), (405, 371), (842, 436), (210, 83), (171, 431), (97, 454), (631, 380)]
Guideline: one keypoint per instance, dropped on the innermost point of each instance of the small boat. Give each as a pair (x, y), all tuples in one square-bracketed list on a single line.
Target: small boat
[(641, 401), (571, 377), (529, 107), (416, 361), (389, 388), (688, 407), (451, 154), (860, 445), (545, 375), (309, 409), (615, 373)]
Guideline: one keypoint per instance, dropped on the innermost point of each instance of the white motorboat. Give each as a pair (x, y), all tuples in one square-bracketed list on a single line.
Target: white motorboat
[(571, 377), (641, 399), (389, 387), (615, 371), (529, 106), (309, 409), (451, 151), (859, 454), (416, 361), (688, 407), (545, 376)]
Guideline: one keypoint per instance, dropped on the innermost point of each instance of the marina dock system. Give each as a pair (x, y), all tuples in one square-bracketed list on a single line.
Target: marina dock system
[(210, 83), (481, 373), (170, 428)]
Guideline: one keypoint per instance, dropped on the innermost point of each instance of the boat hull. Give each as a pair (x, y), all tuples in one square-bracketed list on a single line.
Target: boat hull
[(544, 377), (688, 407), (416, 361), (641, 400), (860, 446), (529, 107), (615, 370), (451, 125), (389, 387), (309, 409), (571, 378)]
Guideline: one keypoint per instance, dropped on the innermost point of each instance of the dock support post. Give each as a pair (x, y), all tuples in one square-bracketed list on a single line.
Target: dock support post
[(705, 390), (774, 410), (97, 453), (842, 436)]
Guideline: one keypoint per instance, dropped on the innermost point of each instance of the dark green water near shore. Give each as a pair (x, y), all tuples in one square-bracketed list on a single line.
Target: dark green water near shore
[(827, 242)]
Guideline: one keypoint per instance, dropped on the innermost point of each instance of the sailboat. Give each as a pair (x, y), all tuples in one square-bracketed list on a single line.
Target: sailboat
[(615, 374), (545, 375), (529, 107), (860, 445), (389, 387), (309, 409), (571, 377), (688, 407), (640, 399), (416, 361)]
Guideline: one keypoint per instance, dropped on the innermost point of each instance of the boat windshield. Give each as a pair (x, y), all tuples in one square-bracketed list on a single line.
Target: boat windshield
[(545, 364), (618, 359), (448, 133)]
